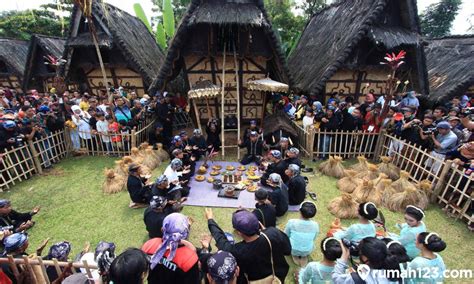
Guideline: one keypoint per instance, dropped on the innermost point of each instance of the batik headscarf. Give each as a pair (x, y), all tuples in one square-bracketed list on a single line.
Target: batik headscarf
[(175, 228), (60, 251)]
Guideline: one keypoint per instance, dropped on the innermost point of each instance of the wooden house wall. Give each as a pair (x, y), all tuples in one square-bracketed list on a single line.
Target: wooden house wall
[(120, 76), (10, 81), (210, 68)]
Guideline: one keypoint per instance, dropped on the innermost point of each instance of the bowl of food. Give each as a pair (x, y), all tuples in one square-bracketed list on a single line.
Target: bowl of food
[(215, 173), (202, 170), (253, 168), (229, 191), (254, 177), (252, 188), (241, 168), (230, 168), (200, 178), (210, 179), (217, 167), (238, 174)]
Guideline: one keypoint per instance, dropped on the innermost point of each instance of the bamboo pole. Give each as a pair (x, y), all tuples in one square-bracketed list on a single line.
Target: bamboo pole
[(439, 185), (196, 112), (34, 154), (99, 56), (11, 260), (236, 67), (222, 104)]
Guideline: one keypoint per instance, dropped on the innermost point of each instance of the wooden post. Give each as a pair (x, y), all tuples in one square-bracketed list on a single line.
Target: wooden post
[(134, 138), (43, 269), (30, 269), (439, 185), (35, 155), (196, 112), (379, 144)]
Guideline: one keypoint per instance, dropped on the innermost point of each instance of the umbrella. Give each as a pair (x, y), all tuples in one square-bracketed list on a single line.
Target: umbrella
[(204, 89), (267, 85)]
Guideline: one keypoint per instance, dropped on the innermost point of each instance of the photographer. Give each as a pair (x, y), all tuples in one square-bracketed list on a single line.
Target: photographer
[(138, 111), (9, 135), (372, 252), (54, 120), (425, 130), (444, 141)]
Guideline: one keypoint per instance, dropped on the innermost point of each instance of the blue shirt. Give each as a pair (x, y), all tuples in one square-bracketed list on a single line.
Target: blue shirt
[(356, 232), (302, 234), (123, 113), (428, 270), (315, 273), (448, 142), (408, 238)]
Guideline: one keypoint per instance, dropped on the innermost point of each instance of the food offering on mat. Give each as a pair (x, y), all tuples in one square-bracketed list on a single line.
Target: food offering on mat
[(210, 179), (200, 178), (247, 182), (113, 183), (241, 168), (344, 207), (252, 188), (238, 173), (215, 173), (217, 184), (202, 170), (362, 165), (253, 177), (403, 183), (332, 167), (229, 191), (217, 167), (371, 173), (253, 168), (230, 168), (386, 167), (349, 182), (410, 196), (366, 192)]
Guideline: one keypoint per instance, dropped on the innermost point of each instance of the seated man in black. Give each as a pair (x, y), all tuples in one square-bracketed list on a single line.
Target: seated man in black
[(139, 192), (18, 221), (264, 210), (176, 143), (189, 161), (15, 245), (277, 165), (198, 144), (173, 192), (155, 214), (278, 195), (296, 185), (292, 157), (253, 127), (283, 145), (254, 149)]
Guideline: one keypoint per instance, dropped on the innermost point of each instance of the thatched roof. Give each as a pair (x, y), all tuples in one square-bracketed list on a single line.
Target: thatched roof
[(117, 28), (333, 33), (48, 45), (13, 53), (221, 12), (450, 62)]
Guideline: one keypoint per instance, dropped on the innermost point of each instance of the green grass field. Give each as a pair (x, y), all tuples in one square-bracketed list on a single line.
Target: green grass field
[(74, 208)]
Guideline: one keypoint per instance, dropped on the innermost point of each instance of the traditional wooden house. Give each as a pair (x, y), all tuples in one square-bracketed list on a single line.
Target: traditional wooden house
[(342, 46), (450, 62), (12, 63), (226, 43), (129, 51), (39, 73)]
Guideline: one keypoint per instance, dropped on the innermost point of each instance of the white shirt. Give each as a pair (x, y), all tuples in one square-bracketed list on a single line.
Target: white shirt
[(83, 127), (171, 174), (103, 128), (307, 121)]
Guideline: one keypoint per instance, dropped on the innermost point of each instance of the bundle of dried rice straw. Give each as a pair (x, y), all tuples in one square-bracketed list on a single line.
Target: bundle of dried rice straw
[(383, 184), (349, 182), (137, 156), (333, 167), (388, 168), (366, 192), (403, 183), (161, 153), (143, 146), (113, 183), (361, 166), (151, 160), (120, 169), (371, 173), (410, 196), (344, 207), (381, 177)]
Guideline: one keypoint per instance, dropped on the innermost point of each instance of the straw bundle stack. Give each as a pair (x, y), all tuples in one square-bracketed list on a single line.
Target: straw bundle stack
[(366, 192), (343, 207), (349, 182), (333, 167), (113, 183), (403, 183), (388, 168), (161, 153), (151, 160)]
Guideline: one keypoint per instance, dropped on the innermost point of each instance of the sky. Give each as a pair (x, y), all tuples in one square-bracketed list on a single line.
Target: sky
[(460, 25)]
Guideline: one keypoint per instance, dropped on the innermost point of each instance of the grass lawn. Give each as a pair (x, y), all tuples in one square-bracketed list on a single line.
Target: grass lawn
[(74, 208)]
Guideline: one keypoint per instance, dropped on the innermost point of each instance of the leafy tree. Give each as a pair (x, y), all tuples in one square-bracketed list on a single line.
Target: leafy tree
[(51, 19), (310, 7), (437, 19), (179, 8)]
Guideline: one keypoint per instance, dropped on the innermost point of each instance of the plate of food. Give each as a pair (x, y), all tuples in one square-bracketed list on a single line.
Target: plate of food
[(215, 173), (253, 177), (230, 168), (241, 168), (210, 179), (200, 178), (217, 167), (202, 170), (247, 182), (252, 188), (253, 168), (250, 173)]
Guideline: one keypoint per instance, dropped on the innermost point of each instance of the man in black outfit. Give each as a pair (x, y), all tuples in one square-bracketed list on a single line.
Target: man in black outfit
[(253, 127), (139, 192), (254, 149), (296, 185), (155, 214), (198, 144), (277, 165), (19, 221), (254, 248), (278, 194), (264, 211), (351, 121), (164, 114), (292, 157)]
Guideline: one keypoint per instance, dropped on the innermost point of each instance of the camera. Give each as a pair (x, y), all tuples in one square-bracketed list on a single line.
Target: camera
[(352, 246), (6, 228), (467, 111), (430, 131)]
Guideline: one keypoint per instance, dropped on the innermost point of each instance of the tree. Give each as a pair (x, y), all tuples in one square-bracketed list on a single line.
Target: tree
[(310, 7), (22, 24), (437, 19), (179, 8)]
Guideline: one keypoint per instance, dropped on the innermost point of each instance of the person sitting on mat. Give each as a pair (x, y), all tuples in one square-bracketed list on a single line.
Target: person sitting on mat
[(296, 185), (136, 185), (173, 192), (283, 145), (254, 149), (189, 161), (292, 157), (278, 195), (277, 165), (19, 221), (198, 144), (176, 143), (175, 174)]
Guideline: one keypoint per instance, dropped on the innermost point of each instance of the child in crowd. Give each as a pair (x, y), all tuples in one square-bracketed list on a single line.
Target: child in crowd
[(308, 119), (429, 265), (410, 229), (113, 128), (103, 129), (356, 232), (264, 210), (320, 272), (302, 233)]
